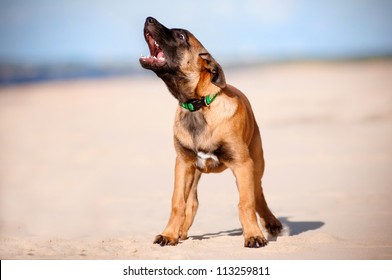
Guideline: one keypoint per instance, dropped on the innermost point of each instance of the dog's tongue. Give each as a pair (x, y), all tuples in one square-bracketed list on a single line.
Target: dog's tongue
[(160, 55)]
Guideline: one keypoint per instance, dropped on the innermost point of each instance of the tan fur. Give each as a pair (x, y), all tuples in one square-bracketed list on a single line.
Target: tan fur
[(225, 130), (230, 119)]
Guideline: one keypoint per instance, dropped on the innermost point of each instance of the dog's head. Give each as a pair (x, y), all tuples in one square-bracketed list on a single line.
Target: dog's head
[(179, 59)]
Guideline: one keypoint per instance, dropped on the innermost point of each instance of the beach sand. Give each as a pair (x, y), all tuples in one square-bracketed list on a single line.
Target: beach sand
[(86, 167)]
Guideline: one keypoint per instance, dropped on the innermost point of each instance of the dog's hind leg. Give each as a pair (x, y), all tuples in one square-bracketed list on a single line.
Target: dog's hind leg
[(192, 203)]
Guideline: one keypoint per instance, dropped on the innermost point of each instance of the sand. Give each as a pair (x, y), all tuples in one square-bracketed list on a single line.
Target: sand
[(86, 167)]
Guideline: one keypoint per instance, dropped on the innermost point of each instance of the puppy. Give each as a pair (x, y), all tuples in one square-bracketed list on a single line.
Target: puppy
[(214, 129)]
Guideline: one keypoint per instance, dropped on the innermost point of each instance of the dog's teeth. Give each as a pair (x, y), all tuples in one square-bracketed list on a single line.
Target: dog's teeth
[(156, 44)]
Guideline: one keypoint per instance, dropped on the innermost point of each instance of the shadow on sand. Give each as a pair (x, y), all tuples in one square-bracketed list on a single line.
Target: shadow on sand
[(294, 228), (233, 232)]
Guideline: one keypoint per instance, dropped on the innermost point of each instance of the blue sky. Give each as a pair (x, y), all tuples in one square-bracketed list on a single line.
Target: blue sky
[(106, 31)]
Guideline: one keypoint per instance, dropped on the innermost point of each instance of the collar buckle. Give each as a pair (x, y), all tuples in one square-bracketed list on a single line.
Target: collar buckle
[(196, 104)]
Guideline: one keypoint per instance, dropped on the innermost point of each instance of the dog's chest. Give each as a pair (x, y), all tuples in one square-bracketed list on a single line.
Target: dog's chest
[(204, 149), (206, 160), (201, 141)]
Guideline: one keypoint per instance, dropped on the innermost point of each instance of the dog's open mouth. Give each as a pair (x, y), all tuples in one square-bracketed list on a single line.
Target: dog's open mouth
[(156, 57)]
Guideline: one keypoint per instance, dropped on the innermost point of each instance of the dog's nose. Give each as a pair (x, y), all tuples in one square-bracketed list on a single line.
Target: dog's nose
[(151, 20)]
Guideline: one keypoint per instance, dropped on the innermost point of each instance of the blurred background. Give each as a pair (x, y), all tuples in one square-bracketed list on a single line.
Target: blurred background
[(79, 155), (45, 39)]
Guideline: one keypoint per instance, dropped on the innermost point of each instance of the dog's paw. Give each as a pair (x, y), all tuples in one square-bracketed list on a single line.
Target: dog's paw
[(274, 227), (165, 240), (255, 242), (183, 236)]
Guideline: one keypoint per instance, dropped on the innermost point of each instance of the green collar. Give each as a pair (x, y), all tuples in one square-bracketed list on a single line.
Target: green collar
[(196, 104)]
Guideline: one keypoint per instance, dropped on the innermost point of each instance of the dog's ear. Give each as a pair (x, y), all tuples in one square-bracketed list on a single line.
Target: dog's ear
[(217, 77)]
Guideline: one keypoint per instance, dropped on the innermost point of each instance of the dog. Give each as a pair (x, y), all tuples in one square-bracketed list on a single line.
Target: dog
[(214, 129)]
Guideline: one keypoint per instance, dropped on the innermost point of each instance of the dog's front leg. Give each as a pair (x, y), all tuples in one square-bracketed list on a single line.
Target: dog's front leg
[(192, 204), (184, 177), (244, 173)]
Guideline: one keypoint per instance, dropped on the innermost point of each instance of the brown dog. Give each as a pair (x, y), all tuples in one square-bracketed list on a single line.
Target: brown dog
[(214, 129)]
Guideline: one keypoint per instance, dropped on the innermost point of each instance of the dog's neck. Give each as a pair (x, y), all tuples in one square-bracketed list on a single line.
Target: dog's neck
[(178, 86), (183, 90)]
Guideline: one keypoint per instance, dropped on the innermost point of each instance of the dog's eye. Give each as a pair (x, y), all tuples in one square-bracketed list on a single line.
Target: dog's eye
[(181, 36)]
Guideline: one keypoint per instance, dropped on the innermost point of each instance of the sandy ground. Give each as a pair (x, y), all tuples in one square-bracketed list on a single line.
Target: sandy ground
[(86, 167)]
